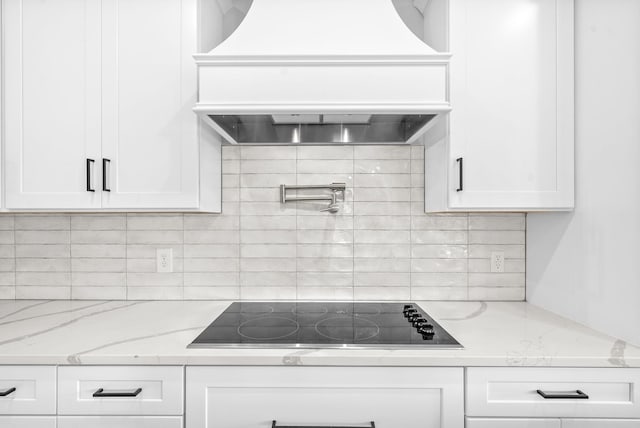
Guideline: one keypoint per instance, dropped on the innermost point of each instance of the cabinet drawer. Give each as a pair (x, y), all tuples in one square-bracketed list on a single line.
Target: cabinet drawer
[(601, 423), (28, 421), (119, 422), (123, 390), (613, 393), (34, 393), (241, 397), (512, 423)]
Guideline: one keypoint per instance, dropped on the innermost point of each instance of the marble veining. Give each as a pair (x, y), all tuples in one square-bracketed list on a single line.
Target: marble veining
[(45, 314), (617, 354), (75, 359), (482, 308), (17, 311), (530, 353), (66, 323), (156, 332)]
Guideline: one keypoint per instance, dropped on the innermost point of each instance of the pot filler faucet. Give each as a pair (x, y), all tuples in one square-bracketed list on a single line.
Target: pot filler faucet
[(332, 198)]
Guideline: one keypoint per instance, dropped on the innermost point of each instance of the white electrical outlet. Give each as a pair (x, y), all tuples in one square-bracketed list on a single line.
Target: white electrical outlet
[(497, 261), (164, 260)]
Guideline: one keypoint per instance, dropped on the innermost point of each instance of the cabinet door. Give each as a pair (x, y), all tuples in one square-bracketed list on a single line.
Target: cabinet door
[(512, 423), (510, 132), (149, 131), (51, 108), (239, 397)]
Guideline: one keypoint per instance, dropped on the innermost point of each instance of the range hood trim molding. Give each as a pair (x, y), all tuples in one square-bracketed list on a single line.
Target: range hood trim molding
[(400, 60), (317, 108)]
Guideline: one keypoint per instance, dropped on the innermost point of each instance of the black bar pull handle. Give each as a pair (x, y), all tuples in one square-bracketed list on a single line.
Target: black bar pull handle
[(106, 164), (460, 177), (7, 392), (90, 163), (274, 424), (552, 395), (102, 393)]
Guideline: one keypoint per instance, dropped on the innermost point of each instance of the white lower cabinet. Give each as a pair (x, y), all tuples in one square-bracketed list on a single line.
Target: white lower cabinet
[(601, 423), (27, 390), (255, 397), (551, 423), (512, 423), (513, 392), (392, 397), (552, 398), (119, 422), (120, 390), (28, 421)]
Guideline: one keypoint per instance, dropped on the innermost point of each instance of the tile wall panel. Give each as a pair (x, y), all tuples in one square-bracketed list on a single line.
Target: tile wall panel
[(43, 256), (7, 257), (99, 256), (380, 245)]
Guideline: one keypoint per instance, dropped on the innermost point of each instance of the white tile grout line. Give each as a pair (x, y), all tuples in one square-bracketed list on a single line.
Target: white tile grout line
[(353, 221), (15, 287), (126, 256), (411, 222), (467, 256), (183, 276), (70, 262), (239, 253), (296, 229)]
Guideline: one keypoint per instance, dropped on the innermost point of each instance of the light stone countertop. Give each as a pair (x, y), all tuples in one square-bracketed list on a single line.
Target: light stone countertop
[(158, 332)]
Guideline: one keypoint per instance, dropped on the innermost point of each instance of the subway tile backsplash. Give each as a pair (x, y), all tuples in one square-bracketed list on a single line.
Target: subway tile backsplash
[(381, 245)]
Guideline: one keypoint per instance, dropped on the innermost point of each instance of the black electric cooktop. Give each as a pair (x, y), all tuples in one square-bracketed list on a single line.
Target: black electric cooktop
[(324, 325)]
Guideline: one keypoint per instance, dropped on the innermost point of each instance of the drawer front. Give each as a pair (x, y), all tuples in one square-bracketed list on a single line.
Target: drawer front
[(232, 397), (160, 390), (512, 423), (119, 422), (28, 421), (612, 393), (601, 423), (34, 393)]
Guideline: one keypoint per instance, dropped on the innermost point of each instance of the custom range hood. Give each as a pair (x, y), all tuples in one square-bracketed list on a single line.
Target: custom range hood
[(322, 72)]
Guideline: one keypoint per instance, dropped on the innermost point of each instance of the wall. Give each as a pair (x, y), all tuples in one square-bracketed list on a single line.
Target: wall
[(585, 264), (380, 246)]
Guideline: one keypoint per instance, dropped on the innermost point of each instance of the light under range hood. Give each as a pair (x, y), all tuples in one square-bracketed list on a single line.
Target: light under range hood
[(322, 72)]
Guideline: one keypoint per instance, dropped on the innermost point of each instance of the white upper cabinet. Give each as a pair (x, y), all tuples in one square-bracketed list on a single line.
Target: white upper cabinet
[(104, 89), (149, 131), (508, 142), (51, 72)]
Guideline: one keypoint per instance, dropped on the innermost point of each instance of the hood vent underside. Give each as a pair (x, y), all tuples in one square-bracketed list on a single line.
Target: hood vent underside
[(322, 72), (321, 128)]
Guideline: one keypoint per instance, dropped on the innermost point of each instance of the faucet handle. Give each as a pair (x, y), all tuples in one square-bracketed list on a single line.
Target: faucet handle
[(332, 208)]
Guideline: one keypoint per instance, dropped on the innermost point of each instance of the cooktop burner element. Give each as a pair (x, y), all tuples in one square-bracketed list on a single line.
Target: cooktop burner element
[(324, 325)]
